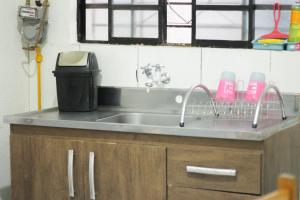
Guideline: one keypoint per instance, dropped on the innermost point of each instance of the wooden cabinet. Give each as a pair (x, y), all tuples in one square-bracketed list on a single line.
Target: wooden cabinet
[(41, 164), (132, 166)]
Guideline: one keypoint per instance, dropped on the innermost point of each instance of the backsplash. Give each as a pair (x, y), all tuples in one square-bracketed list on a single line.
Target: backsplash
[(170, 100), (186, 66)]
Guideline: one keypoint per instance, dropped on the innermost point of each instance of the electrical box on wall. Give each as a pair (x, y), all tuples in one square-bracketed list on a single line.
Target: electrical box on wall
[(32, 24)]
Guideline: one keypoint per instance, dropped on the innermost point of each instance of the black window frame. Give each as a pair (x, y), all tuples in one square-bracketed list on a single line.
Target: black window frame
[(82, 6), (250, 8), (176, 26), (161, 7)]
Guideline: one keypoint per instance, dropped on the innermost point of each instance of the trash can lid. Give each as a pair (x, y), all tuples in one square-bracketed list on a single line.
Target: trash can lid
[(76, 62), (73, 59)]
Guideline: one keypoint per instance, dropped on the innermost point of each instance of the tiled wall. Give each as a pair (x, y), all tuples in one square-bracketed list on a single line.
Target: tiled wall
[(186, 66)]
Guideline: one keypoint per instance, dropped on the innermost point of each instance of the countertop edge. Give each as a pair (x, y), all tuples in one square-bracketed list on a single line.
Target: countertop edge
[(155, 130), (25, 119)]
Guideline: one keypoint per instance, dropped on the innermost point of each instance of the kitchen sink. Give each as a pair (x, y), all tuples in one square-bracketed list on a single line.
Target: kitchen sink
[(169, 120), (145, 119)]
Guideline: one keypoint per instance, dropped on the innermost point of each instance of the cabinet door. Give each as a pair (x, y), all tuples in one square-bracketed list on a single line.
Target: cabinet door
[(125, 172), (47, 169)]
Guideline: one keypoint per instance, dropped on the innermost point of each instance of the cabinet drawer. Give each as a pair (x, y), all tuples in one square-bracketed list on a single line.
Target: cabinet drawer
[(198, 194), (216, 169)]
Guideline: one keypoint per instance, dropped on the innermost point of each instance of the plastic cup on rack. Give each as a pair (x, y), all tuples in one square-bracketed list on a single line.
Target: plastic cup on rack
[(227, 88), (240, 94), (256, 87)]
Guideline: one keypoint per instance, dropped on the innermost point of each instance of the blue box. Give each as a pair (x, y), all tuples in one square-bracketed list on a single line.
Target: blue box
[(276, 47)]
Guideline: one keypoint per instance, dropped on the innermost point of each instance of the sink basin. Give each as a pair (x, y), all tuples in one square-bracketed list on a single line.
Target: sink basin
[(169, 120), (145, 119)]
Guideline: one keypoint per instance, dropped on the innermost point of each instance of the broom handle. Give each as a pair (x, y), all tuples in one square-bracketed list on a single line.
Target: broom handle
[(277, 15)]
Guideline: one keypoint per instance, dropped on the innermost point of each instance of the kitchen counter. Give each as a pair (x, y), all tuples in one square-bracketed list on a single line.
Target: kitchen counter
[(221, 129), (135, 136)]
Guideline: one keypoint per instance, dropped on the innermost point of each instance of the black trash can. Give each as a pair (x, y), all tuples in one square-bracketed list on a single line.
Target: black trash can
[(77, 75)]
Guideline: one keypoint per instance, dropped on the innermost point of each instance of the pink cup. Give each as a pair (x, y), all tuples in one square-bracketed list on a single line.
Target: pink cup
[(227, 88), (256, 87)]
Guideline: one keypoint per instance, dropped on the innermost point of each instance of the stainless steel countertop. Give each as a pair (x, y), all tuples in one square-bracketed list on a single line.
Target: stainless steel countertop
[(221, 129)]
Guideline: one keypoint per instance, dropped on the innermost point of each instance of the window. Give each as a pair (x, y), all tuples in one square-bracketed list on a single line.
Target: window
[(121, 21), (217, 23), (229, 25), (179, 22)]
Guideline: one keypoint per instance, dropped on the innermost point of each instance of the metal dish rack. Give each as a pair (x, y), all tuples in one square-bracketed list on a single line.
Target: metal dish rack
[(239, 109), (266, 108)]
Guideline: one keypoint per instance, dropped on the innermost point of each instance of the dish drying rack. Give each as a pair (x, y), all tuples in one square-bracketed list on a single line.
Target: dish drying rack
[(238, 109), (266, 107)]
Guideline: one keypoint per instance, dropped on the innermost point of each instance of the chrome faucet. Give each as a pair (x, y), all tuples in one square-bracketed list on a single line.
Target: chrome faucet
[(155, 75), (187, 96), (258, 107)]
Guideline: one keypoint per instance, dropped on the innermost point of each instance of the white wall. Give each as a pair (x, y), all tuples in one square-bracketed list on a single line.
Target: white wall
[(187, 66), (14, 85)]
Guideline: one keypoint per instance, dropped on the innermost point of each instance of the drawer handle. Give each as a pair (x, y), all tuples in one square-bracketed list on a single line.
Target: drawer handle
[(70, 173), (211, 171), (92, 176)]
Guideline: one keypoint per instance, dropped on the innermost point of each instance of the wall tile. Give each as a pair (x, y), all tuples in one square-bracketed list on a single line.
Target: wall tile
[(285, 71), (118, 64), (183, 64), (240, 61)]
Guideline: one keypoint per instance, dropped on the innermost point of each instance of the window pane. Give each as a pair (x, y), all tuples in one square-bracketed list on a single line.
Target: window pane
[(97, 24), (222, 2), (264, 22), (96, 1), (285, 2), (137, 2), (222, 25), (179, 15), (179, 35), (136, 24)]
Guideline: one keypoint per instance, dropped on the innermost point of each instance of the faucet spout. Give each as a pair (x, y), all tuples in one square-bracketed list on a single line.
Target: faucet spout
[(258, 107), (187, 96)]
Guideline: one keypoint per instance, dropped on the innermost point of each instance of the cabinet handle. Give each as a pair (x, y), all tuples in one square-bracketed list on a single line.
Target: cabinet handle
[(70, 173), (211, 171), (92, 176)]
